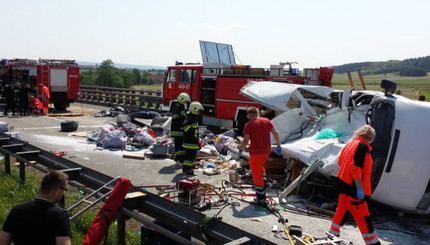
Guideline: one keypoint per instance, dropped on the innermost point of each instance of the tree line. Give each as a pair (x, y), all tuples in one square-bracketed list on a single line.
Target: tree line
[(413, 67), (107, 75)]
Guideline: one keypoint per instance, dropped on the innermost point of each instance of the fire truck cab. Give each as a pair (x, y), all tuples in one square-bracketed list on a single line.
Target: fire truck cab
[(61, 77), (217, 83)]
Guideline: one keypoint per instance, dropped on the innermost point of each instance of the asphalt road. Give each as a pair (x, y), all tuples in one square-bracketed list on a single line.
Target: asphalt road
[(45, 133)]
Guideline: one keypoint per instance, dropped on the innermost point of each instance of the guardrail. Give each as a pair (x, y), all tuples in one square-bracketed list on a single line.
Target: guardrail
[(130, 98), (193, 223)]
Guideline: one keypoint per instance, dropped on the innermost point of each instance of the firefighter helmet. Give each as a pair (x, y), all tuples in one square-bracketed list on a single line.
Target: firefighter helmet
[(184, 97), (195, 107)]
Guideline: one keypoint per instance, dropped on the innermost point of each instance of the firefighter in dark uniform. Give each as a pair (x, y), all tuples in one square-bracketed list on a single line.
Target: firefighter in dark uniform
[(9, 94), (191, 137), (178, 117), (354, 185)]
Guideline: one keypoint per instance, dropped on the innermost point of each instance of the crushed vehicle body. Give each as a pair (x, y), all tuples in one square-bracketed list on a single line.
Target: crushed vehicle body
[(315, 122)]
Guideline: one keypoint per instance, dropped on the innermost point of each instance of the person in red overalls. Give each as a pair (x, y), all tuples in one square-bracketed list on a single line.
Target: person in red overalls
[(46, 95), (354, 185), (258, 130)]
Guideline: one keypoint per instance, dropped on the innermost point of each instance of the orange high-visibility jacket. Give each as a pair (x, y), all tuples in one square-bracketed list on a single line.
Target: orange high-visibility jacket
[(355, 162), (45, 90)]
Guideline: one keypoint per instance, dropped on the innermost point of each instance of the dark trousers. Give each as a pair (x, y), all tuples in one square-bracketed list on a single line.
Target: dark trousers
[(23, 107), (189, 159), (10, 105), (179, 150)]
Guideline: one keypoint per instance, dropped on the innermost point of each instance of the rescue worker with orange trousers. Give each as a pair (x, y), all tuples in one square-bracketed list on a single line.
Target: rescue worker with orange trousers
[(46, 95), (258, 130), (354, 185), (191, 137), (178, 117)]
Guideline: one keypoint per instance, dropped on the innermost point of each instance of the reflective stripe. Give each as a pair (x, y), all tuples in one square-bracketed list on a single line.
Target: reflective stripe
[(369, 235), (336, 233), (260, 192), (175, 116), (188, 163), (190, 146), (179, 153), (259, 187), (336, 225), (176, 133), (373, 241), (187, 128)]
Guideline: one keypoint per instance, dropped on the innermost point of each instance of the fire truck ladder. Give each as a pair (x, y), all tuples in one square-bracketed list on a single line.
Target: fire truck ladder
[(191, 222)]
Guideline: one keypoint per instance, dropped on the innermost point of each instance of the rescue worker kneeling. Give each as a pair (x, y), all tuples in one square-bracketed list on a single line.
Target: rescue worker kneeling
[(191, 137), (354, 185), (178, 117), (35, 105)]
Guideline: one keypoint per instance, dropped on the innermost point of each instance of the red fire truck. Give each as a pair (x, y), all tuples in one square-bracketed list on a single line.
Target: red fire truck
[(217, 84), (61, 77)]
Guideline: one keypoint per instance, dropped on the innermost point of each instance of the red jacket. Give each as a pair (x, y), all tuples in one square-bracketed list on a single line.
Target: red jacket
[(36, 104), (355, 162)]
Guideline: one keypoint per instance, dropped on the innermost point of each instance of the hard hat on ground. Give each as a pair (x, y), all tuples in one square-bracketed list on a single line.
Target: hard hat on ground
[(195, 107), (184, 97)]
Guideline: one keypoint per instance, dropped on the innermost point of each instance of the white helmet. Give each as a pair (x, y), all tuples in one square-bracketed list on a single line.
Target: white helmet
[(195, 107), (184, 97)]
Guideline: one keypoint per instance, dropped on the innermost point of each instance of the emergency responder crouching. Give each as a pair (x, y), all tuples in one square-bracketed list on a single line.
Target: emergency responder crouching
[(178, 117), (191, 137)]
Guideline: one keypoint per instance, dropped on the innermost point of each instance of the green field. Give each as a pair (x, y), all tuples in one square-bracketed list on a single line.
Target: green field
[(410, 87), (156, 86), (13, 193)]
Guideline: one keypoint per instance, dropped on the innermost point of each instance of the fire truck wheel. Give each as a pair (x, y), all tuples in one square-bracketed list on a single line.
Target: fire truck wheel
[(69, 126)]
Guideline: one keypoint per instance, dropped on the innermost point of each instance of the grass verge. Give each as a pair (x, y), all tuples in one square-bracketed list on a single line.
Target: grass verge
[(13, 193)]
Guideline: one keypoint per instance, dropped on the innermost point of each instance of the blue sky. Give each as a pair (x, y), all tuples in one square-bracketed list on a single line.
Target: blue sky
[(312, 32)]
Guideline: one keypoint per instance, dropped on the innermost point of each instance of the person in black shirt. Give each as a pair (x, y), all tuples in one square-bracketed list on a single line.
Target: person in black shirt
[(39, 221), (23, 94)]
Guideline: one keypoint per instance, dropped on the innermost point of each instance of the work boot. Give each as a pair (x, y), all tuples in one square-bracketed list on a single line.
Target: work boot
[(177, 165), (260, 202)]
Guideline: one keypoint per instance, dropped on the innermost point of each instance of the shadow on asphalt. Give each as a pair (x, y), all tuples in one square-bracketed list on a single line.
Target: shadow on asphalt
[(248, 211)]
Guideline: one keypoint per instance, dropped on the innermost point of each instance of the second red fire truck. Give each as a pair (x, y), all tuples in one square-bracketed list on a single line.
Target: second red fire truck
[(60, 76), (217, 82)]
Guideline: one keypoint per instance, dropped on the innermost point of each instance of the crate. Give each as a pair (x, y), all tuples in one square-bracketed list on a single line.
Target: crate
[(160, 149)]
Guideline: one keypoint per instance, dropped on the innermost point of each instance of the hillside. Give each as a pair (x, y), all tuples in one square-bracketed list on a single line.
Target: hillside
[(414, 67), (123, 66)]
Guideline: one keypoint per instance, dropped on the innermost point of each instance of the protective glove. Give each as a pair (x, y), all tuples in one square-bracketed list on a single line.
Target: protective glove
[(240, 153), (279, 150), (360, 193)]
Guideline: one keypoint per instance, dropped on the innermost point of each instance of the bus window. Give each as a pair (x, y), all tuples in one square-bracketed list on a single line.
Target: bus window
[(171, 77)]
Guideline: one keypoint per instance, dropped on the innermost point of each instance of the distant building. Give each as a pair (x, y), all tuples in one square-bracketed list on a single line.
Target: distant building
[(156, 77)]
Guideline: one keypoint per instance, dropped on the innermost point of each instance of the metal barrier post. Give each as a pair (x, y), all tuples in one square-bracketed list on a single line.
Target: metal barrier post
[(22, 172), (7, 164), (120, 219)]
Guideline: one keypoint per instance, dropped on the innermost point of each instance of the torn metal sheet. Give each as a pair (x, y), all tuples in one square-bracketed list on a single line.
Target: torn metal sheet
[(400, 149)]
